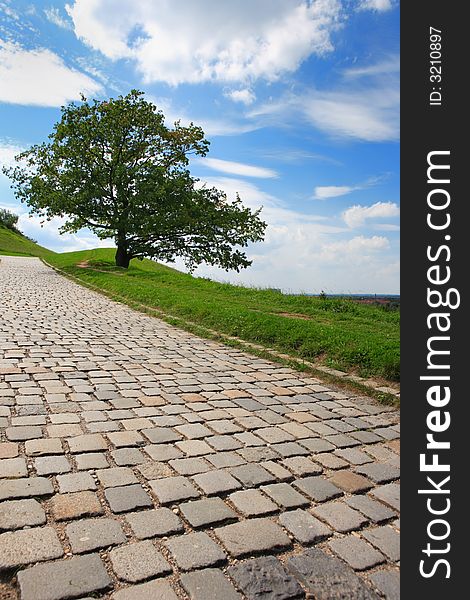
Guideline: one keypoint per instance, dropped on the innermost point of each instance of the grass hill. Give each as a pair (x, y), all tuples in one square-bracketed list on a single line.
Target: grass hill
[(340, 332), (14, 243)]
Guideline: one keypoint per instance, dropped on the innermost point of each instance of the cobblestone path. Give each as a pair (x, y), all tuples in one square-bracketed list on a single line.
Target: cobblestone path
[(140, 462)]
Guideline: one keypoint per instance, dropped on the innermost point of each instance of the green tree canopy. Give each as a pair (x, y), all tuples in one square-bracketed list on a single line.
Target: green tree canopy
[(8, 219), (116, 168)]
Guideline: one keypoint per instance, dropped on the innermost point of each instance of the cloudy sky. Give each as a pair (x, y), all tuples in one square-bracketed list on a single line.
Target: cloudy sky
[(299, 98)]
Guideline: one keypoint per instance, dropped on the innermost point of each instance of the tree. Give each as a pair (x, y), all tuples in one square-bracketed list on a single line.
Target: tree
[(8, 219), (117, 169)]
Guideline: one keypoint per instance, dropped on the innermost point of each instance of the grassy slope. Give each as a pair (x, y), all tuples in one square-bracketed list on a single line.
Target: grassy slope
[(15, 244), (343, 333)]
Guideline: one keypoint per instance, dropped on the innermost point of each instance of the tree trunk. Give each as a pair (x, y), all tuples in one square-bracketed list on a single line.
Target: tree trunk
[(122, 257)]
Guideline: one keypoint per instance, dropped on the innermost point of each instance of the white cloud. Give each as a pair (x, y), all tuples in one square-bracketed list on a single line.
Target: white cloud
[(370, 115), (375, 5), (245, 96), (363, 106), (289, 155), (211, 127), (386, 227), (188, 42), (388, 66), (221, 127), (356, 215), (279, 214), (53, 15), (236, 168), (47, 234), (9, 12), (363, 112), (306, 252), (8, 151), (342, 249), (331, 191), (39, 77)]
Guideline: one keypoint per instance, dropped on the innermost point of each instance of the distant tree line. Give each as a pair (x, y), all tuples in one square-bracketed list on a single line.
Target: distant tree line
[(8, 219)]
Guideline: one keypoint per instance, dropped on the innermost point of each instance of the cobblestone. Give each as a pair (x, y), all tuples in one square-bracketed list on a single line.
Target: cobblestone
[(279, 472), (209, 584), (91, 461), (91, 534), (64, 579), (19, 548), (252, 503), (225, 459), (87, 443), (351, 482), (209, 511), (161, 435), (252, 475), (152, 590), (339, 516), (128, 457), (301, 466), (13, 467), (8, 450), (194, 447), (304, 527), (22, 433), (285, 495), (373, 510), (138, 561), (379, 472), (326, 577), (316, 445), (389, 494), (111, 405), (47, 465), (116, 476), (127, 498), (190, 466), (154, 470), (121, 439), (317, 488), (154, 523), (75, 505), (254, 535), (194, 551), (25, 488), (386, 539), (15, 514), (173, 489), (356, 552), (75, 482), (354, 456), (216, 482), (328, 460), (387, 582), (265, 579)]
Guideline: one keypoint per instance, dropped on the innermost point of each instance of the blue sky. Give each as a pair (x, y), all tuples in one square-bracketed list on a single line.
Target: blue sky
[(299, 99)]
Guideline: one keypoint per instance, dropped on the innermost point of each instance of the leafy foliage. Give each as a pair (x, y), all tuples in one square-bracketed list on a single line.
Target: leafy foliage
[(8, 219), (116, 168)]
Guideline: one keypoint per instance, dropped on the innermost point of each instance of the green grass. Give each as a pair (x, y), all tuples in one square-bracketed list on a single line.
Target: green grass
[(13, 243), (341, 333)]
